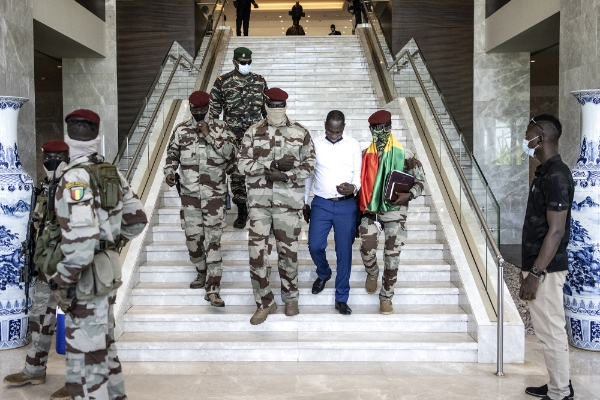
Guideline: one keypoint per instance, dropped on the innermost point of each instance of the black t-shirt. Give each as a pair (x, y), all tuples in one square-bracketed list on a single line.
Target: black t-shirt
[(552, 189)]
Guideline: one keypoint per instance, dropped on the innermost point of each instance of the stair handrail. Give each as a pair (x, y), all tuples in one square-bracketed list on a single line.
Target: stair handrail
[(373, 22), (163, 94)]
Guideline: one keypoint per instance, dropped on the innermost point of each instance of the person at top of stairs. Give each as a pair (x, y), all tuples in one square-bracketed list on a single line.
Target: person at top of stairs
[(277, 155), (240, 96), (202, 147), (384, 155)]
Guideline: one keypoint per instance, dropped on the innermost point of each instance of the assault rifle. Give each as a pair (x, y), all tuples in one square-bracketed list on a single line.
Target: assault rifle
[(177, 184), (28, 248)]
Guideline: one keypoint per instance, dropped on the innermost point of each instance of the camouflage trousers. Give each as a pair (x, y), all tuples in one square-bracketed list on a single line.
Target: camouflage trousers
[(203, 221), (93, 367), (285, 225), (238, 180), (42, 324), (395, 234)]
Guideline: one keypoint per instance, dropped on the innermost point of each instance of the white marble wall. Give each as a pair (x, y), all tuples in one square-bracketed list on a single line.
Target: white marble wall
[(16, 71), (92, 83), (579, 66), (500, 117)]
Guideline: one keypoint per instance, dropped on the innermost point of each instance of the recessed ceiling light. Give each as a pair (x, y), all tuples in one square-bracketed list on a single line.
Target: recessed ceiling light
[(532, 60), (280, 16), (345, 27), (43, 78), (59, 66)]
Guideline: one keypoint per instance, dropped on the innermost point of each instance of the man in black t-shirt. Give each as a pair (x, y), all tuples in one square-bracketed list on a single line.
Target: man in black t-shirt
[(545, 262)]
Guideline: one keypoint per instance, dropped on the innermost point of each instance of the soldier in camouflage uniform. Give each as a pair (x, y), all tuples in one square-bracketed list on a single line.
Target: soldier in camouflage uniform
[(202, 147), (277, 155), (393, 222), (239, 94), (42, 319), (90, 234)]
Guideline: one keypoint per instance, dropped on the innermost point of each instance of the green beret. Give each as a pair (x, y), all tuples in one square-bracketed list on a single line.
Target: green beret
[(242, 52)]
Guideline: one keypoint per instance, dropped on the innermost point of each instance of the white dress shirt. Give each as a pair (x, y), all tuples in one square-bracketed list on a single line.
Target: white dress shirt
[(337, 163)]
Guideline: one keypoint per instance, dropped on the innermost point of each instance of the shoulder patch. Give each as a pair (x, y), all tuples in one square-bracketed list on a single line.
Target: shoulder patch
[(76, 189), (220, 77)]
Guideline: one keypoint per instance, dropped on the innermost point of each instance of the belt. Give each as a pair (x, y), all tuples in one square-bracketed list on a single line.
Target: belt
[(350, 196)]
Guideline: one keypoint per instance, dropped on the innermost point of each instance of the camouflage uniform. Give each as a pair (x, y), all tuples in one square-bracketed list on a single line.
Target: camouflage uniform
[(93, 367), (42, 319), (242, 102), (275, 205), (203, 188), (394, 224)]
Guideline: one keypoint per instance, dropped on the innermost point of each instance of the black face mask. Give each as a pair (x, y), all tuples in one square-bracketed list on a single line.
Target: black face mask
[(199, 117), (52, 164)]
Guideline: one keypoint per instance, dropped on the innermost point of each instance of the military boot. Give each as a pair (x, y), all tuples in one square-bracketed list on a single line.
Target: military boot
[(215, 300), (261, 314), (371, 284), (386, 307), (240, 222), (61, 394), (291, 309), (20, 379), (199, 282)]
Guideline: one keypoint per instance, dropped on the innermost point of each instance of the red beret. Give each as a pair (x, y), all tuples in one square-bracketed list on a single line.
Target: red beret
[(55, 146), (380, 117), (276, 94), (84, 114), (199, 99)]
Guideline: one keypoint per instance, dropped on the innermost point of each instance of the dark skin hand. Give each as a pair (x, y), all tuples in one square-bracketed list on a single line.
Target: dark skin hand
[(286, 163), (556, 231), (345, 189), (306, 213), (275, 175), (402, 199), (170, 179)]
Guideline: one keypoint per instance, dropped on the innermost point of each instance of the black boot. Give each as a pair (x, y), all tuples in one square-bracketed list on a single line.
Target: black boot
[(240, 222)]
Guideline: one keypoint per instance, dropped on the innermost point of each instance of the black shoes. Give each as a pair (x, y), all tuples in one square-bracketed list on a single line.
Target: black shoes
[(542, 391), (319, 284), (343, 308), (240, 222)]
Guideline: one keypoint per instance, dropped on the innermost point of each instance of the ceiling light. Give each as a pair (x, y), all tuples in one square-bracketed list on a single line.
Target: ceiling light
[(345, 27), (43, 78), (59, 66), (532, 60)]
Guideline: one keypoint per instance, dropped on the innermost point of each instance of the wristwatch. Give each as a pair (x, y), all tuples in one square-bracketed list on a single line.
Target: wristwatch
[(412, 196), (538, 273), (286, 179), (52, 284)]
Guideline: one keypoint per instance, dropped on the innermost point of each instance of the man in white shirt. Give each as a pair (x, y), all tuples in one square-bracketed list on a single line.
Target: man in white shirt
[(336, 182)]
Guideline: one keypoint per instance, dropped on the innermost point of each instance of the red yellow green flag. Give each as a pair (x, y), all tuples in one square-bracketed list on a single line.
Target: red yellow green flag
[(374, 173)]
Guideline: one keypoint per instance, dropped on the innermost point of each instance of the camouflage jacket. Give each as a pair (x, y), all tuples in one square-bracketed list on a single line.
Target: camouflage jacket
[(242, 100), (84, 223), (263, 144), (202, 158)]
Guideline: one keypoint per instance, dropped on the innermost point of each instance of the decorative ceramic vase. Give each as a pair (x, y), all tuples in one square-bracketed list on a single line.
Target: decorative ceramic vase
[(582, 289), (15, 203)]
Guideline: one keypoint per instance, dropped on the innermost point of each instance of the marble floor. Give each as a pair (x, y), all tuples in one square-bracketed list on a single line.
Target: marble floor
[(326, 380)]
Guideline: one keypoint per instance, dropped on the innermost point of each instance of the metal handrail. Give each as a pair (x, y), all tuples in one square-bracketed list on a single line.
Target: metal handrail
[(471, 196), (181, 56)]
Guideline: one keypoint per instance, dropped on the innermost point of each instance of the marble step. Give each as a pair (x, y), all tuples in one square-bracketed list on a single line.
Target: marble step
[(297, 346), (406, 318), (239, 271), (240, 293), (173, 232), (235, 250)]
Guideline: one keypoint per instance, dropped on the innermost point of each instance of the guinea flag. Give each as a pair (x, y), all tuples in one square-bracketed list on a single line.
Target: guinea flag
[(374, 172)]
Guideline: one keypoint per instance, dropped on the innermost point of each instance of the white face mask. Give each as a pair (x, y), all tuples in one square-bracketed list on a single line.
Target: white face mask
[(78, 148), (56, 173), (244, 69), (526, 149), (276, 116)]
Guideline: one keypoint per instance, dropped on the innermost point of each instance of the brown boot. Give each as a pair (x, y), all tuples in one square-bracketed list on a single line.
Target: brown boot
[(291, 309), (371, 284), (261, 314), (215, 300), (20, 379), (199, 282), (386, 307), (61, 394)]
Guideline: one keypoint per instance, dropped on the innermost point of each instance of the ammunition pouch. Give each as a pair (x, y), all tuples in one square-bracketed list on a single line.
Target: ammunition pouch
[(101, 277), (47, 253)]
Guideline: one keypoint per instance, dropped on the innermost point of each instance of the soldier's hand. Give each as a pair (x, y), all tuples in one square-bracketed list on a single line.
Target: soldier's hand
[(203, 126), (170, 179), (306, 213), (345, 189), (402, 199), (286, 163), (62, 299), (275, 175)]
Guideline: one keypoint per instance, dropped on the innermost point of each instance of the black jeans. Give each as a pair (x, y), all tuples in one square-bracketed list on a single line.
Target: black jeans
[(242, 16)]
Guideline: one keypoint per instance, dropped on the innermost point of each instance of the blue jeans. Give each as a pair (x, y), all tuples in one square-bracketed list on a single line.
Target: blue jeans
[(342, 216)]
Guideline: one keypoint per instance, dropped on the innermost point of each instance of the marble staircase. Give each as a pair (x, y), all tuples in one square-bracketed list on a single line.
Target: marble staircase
[(170, 322)]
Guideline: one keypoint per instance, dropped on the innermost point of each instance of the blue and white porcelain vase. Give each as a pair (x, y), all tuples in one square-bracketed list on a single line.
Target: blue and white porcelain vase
[(582, 289), (15, 201)]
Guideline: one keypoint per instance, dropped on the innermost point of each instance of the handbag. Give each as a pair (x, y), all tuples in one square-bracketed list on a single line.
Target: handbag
[(397, 182)]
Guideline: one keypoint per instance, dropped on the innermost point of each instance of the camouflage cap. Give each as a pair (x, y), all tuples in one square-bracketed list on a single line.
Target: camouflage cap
[(242, 52)]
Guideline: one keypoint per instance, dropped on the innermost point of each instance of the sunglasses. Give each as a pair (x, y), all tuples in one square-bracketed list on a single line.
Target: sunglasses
[(244, 62), (278, 105), (532, 121), (379, 127)]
